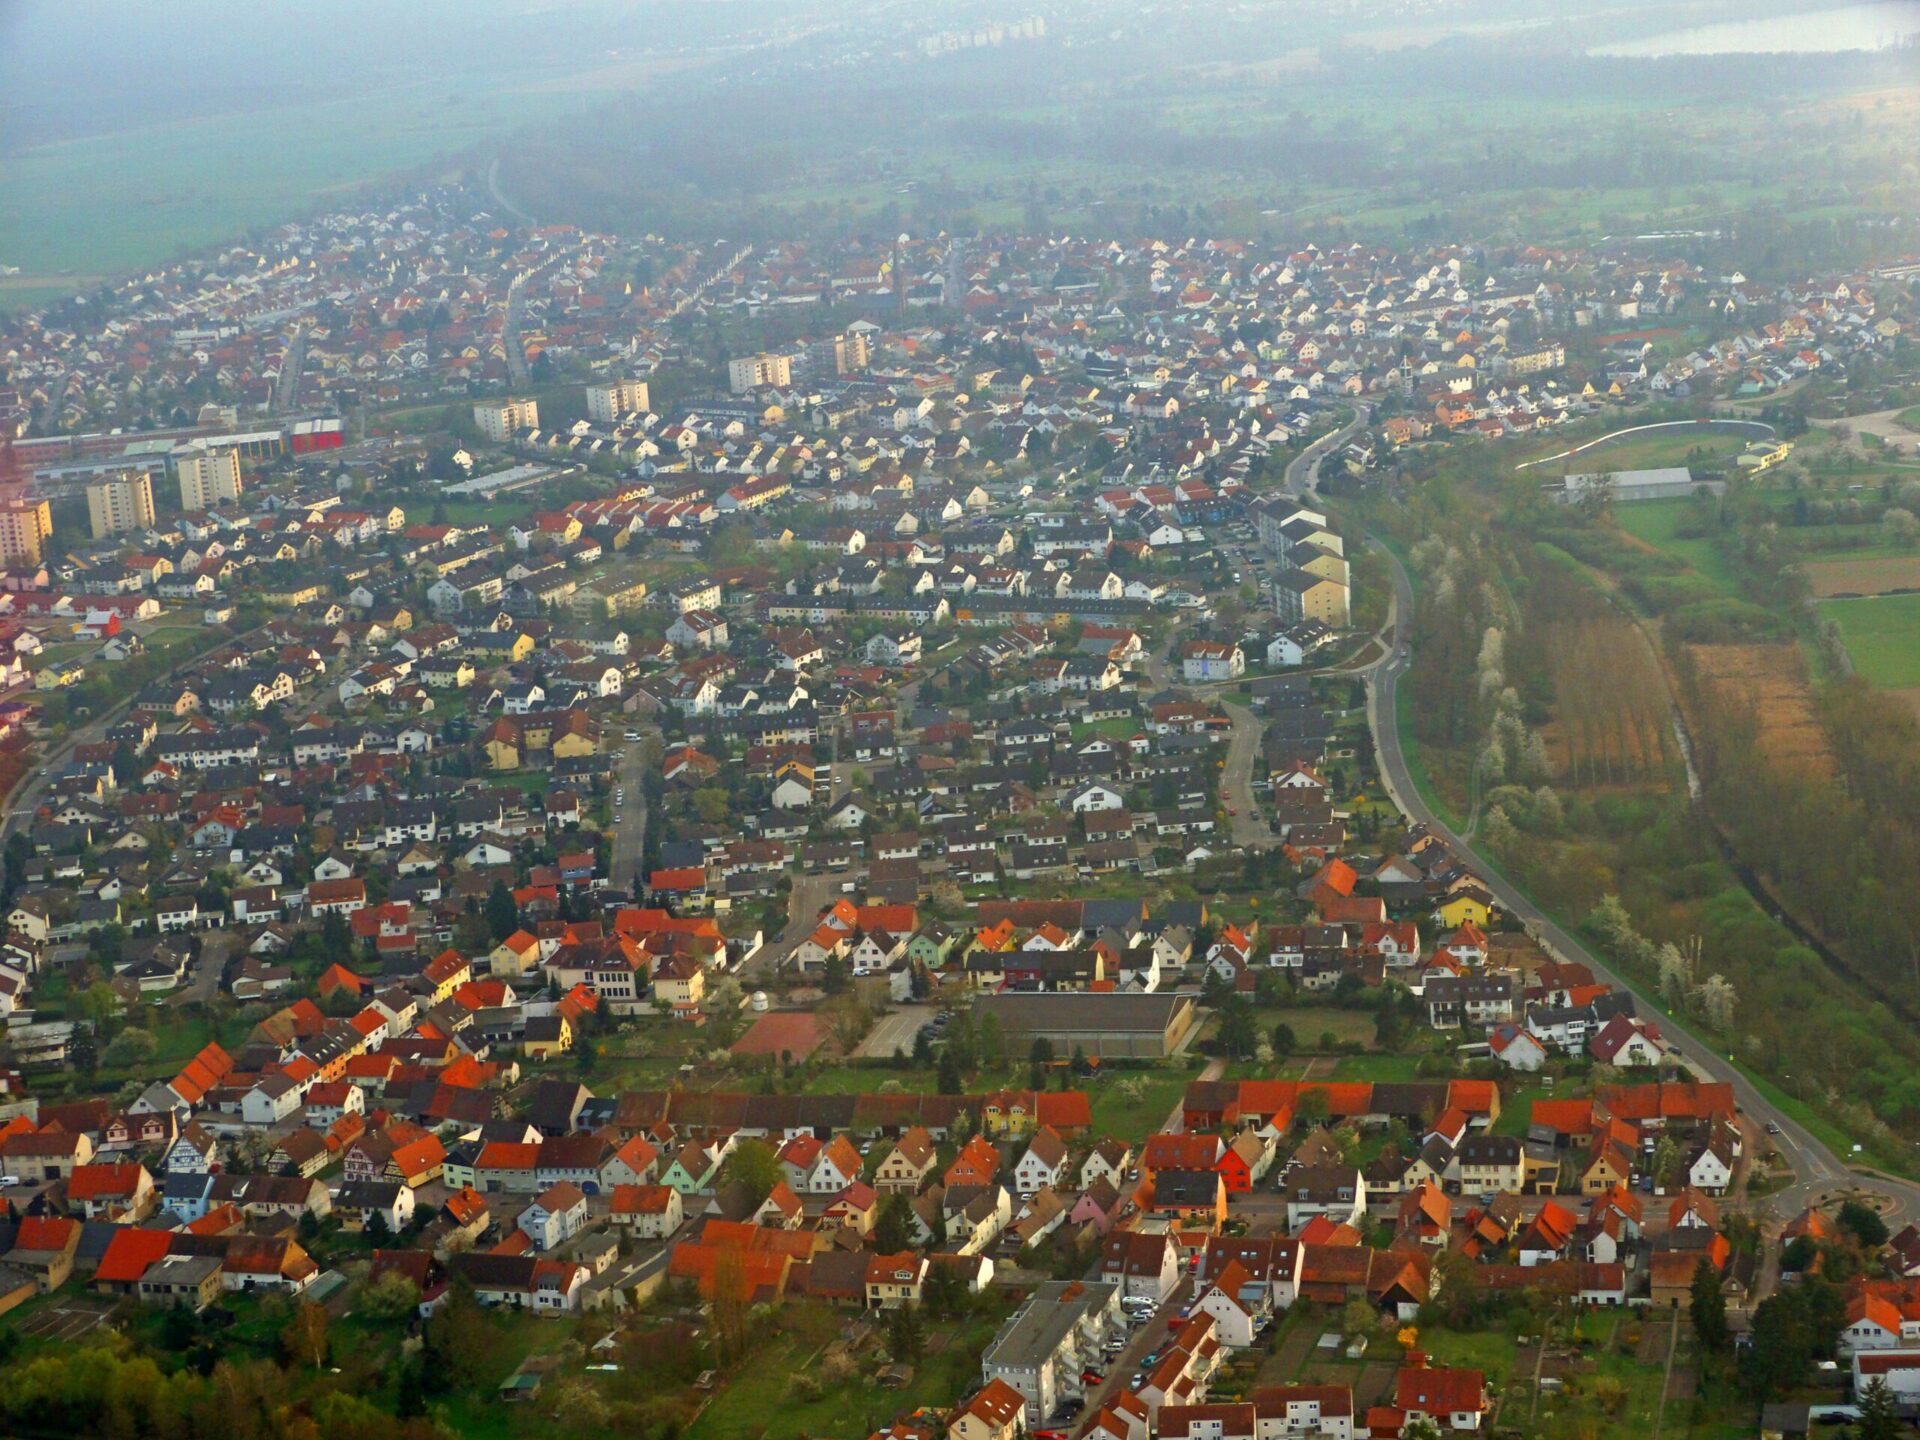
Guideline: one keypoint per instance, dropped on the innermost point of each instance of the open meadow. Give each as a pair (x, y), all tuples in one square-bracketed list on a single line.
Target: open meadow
[(1882, 636)]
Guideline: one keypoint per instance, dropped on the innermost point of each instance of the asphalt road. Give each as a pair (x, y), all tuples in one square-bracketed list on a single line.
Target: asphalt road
[(1820, 1173), (1248, 822), (630, 830)]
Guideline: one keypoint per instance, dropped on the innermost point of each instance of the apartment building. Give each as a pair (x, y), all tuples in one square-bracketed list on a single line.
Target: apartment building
[(207, 477), (750, 372), (613, 401), (118, 503), (499, 419), (25, 527)]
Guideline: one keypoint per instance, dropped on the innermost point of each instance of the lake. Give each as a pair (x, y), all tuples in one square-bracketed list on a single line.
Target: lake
[(1874, 26)]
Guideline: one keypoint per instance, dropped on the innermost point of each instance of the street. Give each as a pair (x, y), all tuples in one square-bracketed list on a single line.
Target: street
[(1248, 823), (630, 829)]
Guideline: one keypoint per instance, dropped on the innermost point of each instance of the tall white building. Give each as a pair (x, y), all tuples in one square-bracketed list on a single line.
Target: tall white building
[(119, 503), (498, 419), (615, 400), (750, 372), (207, 478)]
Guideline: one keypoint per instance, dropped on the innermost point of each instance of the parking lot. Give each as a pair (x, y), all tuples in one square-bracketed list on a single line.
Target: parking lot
[(64, 1322), (895, 1031)]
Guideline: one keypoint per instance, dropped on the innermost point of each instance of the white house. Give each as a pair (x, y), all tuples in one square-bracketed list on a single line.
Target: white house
[(556, 1215)]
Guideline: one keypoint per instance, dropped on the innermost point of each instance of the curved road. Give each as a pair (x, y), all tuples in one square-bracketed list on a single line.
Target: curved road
[(1819, 1172)]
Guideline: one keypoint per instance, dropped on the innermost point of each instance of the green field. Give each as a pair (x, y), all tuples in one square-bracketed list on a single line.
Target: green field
[(82, 210), (1882, 634), (1658, 522)]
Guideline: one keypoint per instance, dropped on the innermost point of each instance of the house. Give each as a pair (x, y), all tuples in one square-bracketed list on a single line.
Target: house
[(1043, 1163), (557, 1214), (906, 1167), (1338, 1192), (648, 1212), (1144, 1264), (1454, 1400), (894, 1281), (996, 1412)]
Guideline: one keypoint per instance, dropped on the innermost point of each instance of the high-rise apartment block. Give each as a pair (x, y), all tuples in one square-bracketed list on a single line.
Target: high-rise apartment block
[(615, 400), (499, 419), (207, 478), (25, 527), (119, 503)]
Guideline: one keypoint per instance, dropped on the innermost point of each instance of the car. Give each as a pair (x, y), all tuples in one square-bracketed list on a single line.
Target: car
[(1152, 1360), (631, 735), (7, 1182), (1772, 1128), (1049, 1435), (1137, 1381), (1070, 1407)]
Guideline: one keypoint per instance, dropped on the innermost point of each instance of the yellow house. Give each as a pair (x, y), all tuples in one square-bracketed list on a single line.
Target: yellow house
[(1007, 1114), (547, 1038), (502, 746), (1468, 905), (514, 956), (571, 736), (679, 983)]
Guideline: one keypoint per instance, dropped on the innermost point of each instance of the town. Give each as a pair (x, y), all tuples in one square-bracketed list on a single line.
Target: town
[(813, 839)]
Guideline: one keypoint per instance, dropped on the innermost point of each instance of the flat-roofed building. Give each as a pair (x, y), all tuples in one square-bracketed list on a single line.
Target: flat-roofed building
[(1052, 1340), (25, 527), (207, 477), (614, 400), (118, 503)]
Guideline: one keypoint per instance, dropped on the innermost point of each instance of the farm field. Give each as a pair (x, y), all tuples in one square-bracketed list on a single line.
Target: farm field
[(1769, 682), (81, 210), (1864, 577), (1882, 634)]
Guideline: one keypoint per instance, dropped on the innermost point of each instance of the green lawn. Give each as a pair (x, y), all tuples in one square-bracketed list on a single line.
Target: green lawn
[(1133, 1105), (1311, 1022), (1377, 1067), (1516, 1110), (1882, 634)]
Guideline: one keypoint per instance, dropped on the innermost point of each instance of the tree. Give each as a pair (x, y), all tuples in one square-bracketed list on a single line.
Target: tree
[(950, 1080), (1310, 1109), (848, 1021), (1284, 1042), (1855, 1216), (1239, 1034), (893, 1229), (710, 803), (943, 1292), (305, 1336), (503, 916), (392, 1296), (906, 1336), (1879, 1415), (729, 1305), (131, 1046), (754, 1166), (1709, 1306)]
